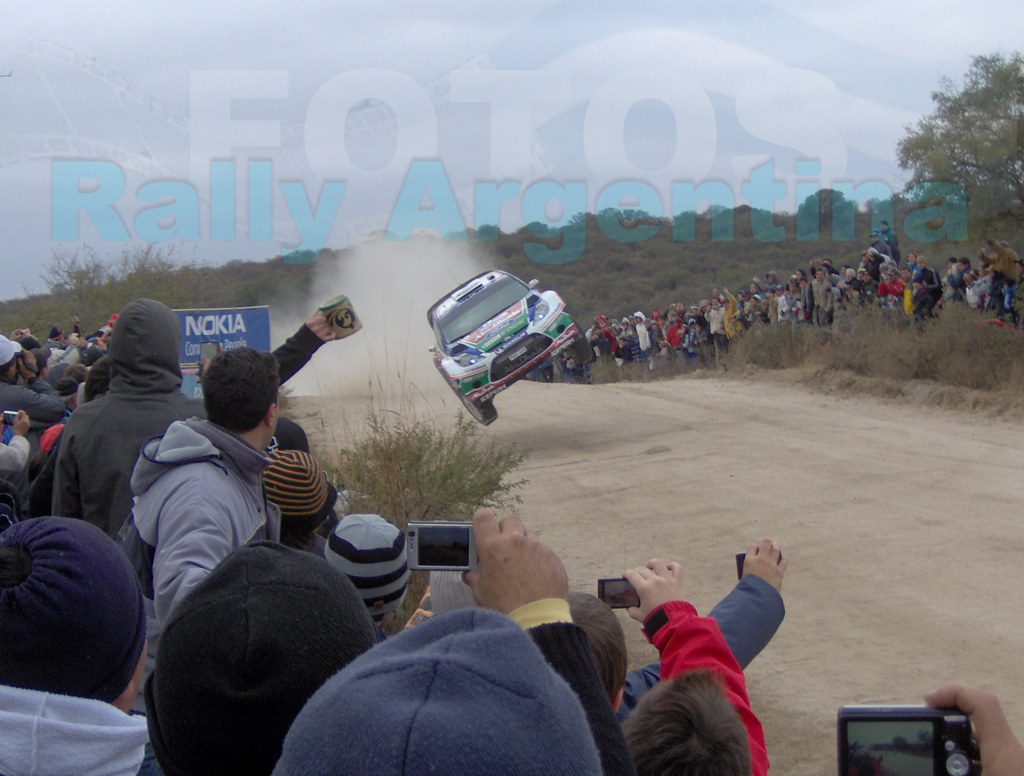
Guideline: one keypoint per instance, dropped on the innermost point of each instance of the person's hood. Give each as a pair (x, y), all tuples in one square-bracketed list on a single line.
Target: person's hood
[(45, 734), (192, 440), (144, 349)]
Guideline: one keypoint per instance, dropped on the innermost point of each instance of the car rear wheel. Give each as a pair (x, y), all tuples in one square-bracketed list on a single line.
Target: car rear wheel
[(483, 412)]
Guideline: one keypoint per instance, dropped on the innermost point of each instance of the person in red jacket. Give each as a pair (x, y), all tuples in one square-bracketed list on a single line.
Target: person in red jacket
[(689, 644)]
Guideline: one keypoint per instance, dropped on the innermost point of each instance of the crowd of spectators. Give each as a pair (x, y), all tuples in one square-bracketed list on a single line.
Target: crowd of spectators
[(200, 607), (822, 295)]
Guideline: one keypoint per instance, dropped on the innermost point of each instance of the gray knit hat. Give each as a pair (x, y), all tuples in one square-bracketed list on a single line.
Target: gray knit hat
[(371, 552), (448, 592)]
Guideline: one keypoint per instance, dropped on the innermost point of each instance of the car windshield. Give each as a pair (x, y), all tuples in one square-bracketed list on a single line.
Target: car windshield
[(481, 307)]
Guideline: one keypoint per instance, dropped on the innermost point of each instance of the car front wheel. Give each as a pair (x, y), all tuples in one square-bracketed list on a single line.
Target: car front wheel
[(483, 412)]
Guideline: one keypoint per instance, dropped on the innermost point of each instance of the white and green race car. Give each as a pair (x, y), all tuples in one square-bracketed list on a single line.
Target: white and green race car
[(493, 330)]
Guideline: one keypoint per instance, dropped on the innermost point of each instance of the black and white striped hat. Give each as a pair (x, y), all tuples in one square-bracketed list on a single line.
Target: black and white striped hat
[(371, 552)]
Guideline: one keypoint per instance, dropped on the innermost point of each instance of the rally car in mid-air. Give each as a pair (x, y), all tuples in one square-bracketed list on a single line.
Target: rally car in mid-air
[(493, 330)]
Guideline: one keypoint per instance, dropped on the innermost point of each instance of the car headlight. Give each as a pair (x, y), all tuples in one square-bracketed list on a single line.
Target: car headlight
[(541, 310), (465, 359)]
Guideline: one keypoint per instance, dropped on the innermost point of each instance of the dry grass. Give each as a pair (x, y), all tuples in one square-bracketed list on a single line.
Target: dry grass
[(957, 348)]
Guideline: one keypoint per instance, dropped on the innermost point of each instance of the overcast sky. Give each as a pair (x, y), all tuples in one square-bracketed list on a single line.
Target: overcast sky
[(359, 107)]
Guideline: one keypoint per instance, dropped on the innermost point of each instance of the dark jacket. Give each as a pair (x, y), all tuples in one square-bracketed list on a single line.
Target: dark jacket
[(102, 439), (44, 408)]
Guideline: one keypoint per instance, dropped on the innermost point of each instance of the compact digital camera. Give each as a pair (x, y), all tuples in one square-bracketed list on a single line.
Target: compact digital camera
[(441, 546), (904, 741)]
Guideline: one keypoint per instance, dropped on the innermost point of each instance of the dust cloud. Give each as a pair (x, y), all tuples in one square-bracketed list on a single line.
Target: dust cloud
[(390, 285)]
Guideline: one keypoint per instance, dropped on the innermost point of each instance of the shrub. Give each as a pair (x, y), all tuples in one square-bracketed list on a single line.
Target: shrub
[(781, 346), (957, 347), (415, 470)]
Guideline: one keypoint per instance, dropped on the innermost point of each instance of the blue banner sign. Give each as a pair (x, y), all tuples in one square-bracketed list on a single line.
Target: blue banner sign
[(227, 328), (230, 328)]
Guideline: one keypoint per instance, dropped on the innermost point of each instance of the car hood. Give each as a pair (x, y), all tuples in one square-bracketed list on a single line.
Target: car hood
[(498, 329)]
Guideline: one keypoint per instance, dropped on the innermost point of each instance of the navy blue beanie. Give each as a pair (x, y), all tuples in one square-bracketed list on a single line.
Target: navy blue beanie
[(464, 692), (71, 614)]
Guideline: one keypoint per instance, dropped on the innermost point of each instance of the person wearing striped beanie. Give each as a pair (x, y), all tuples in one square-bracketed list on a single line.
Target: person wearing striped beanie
[(296, 483), (371, 552)]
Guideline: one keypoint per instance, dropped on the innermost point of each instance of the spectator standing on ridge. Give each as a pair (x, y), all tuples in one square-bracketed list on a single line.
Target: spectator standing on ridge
[(889, 238), (643, 335), (929, 278), (879, 243), (822, 290)]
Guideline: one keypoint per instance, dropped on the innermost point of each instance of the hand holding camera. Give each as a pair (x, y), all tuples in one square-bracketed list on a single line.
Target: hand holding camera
[(656, 583), (515, 567), (1001, 752), (18, 421)]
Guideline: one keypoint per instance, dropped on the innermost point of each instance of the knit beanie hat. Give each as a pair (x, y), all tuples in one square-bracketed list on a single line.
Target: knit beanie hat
[(371, 552), (296, 483), (289, 435), (71, 614), (442, 698), (241, 655), (448, 592)]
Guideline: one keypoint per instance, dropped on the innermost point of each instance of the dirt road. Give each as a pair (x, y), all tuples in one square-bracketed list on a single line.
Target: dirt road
[(902, 524)]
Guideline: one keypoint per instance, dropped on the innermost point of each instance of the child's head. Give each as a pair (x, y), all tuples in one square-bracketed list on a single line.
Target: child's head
[(687, 726), (607, 641)]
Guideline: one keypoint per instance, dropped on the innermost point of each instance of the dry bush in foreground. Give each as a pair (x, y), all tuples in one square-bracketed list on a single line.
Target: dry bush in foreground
[(415, 470)]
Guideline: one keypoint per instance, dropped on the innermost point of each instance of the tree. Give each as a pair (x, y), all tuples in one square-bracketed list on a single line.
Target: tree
[(974, 139), (817, 214)]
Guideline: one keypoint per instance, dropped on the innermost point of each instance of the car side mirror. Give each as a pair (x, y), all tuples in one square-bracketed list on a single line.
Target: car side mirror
[(534, 283), (432, 349)]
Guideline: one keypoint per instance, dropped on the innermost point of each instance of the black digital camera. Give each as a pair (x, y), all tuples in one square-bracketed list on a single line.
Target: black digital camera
[(904, 741)]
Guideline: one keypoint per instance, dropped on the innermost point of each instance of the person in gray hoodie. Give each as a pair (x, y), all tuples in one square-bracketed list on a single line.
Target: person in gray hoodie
[(198, 488), (101, 440)]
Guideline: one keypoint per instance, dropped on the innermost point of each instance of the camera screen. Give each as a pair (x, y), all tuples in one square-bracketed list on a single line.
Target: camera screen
[(444, 545), (617, 593), (903, 747)]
